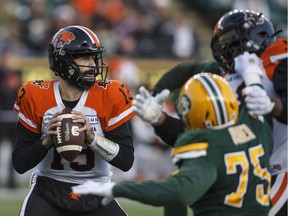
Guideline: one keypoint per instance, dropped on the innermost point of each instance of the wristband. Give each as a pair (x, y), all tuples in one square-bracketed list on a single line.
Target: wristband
[(105, 147), (253, 75)]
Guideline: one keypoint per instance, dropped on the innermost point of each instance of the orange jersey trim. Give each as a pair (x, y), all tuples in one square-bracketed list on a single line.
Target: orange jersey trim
[(281, 190), (38, 100), (113, 104), (33, 100), (273, 55)]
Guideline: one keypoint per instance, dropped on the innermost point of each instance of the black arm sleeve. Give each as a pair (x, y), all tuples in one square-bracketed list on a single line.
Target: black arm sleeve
[(28, 150), (122, 136), (169, 130), (279, 80)]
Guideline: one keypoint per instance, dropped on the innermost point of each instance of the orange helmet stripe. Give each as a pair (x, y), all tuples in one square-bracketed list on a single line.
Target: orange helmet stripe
[(91, 35)]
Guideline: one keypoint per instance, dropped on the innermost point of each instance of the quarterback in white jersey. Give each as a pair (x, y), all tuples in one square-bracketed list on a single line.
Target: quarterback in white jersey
[(102, 106)]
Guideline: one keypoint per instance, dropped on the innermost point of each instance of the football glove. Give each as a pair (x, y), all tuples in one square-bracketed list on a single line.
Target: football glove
[(97, 188), (147, 107), (250, 67), (257, 101)]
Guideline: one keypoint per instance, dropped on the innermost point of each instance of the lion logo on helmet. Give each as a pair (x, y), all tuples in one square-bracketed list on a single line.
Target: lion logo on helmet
[(63, 38)]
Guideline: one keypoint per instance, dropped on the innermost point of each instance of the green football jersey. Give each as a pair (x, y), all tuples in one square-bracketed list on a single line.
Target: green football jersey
[(221, 172), (240, 153)]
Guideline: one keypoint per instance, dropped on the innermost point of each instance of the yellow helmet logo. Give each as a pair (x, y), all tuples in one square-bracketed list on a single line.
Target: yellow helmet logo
[(207, 101)]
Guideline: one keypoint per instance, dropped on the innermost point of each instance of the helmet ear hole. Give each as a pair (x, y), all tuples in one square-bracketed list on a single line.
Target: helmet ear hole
[(207, 114), (232, 106)]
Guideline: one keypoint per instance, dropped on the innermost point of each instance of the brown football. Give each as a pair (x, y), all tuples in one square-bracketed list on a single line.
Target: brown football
[(69, 141)]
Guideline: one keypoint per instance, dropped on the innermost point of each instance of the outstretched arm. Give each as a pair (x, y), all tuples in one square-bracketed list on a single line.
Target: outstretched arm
[(182, 189), (149, 108), (169, 129)]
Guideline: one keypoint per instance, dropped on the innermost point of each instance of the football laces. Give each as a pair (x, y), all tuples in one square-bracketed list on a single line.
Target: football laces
[(59, 139)]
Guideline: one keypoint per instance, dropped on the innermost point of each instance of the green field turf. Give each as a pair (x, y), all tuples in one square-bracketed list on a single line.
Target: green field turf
[(10, 207)]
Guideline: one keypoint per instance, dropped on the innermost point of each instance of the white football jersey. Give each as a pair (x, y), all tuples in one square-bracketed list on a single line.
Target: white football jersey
[(106, 108)]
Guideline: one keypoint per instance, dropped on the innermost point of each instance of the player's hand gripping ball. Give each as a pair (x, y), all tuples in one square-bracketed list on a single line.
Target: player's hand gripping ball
[(69, 141)]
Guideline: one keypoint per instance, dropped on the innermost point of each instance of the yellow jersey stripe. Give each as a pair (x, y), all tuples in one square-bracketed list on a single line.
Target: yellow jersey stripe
[(190, 147)]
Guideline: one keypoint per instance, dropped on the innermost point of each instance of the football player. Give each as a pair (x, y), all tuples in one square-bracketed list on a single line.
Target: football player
[(243, 41), (222, 157), (102, 106)]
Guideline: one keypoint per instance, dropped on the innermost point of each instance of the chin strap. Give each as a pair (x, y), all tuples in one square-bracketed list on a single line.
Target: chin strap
[(105, 147)]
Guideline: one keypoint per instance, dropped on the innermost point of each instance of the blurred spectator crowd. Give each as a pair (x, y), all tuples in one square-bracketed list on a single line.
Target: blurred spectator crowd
[(211, 10), (138, 28), (143, 28)]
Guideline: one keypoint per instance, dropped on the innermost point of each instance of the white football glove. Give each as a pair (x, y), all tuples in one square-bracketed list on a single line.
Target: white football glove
[(257, 101), (147, 107), (100, 189), (250, 67)]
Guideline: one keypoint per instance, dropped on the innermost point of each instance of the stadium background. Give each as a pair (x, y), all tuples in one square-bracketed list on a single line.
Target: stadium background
[(151, 53)]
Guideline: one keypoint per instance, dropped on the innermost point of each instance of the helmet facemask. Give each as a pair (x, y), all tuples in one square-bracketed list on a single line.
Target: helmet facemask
[(225, 48), (93, 74)]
